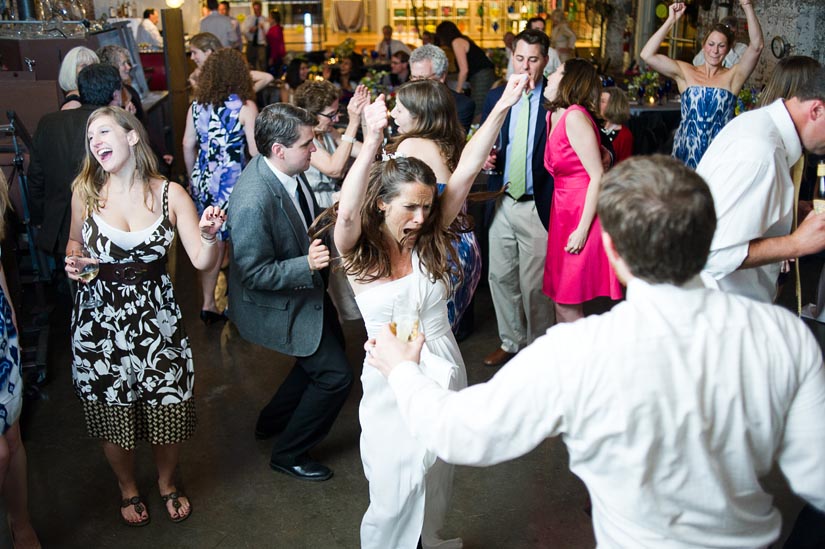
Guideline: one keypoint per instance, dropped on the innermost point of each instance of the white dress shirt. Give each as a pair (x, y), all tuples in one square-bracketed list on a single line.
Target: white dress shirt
[(148, 33), (251, 21), (748, 170), (672, 406), (290, 183)]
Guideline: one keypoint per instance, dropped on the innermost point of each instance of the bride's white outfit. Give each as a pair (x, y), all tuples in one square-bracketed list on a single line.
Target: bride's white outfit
[(409, 487)]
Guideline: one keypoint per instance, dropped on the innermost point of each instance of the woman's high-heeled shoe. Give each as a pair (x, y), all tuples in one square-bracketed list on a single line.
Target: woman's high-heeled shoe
[(210, 317)]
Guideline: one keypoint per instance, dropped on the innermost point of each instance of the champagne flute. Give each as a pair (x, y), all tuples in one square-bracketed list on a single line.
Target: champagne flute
[(495, 150), (87, 269), (819, 189), (404, 323)]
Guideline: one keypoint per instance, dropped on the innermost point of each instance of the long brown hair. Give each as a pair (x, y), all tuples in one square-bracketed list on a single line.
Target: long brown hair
[(580, 85), (435, 117), (89, 182), (369, 259), (223, 73)]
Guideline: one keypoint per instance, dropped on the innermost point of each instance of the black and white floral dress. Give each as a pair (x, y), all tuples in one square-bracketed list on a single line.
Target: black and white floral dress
[(132, 364)]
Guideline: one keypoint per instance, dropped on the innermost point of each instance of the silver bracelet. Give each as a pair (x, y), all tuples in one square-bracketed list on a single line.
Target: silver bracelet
[(208, 241), (347, 139)]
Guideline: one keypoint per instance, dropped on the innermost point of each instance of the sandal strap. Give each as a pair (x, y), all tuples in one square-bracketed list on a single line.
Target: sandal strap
[(174, 496), (134, 501)]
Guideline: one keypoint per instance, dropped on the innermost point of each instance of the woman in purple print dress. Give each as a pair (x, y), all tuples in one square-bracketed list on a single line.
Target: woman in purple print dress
[(219, 137)]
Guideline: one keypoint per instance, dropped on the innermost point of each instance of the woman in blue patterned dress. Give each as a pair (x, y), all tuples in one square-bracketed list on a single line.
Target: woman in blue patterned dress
[(131, 359), (708, 91), (12, 454), (220, 132), (429, 130)]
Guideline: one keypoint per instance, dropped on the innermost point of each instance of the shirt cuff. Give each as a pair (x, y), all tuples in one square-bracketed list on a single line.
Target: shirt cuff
[(403, 374), (724, 261)]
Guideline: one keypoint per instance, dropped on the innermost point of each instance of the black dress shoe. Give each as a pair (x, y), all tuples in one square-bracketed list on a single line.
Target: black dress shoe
[(304, 470), (260, 434), (209, 317)]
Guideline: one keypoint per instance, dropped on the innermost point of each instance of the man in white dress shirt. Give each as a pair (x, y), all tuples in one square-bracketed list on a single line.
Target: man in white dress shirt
[(388, 45), (254, 29), (672, 405), (748, 169), (148, 32)]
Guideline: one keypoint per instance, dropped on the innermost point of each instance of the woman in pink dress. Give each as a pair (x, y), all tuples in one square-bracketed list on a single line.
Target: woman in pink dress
[(577, 269)]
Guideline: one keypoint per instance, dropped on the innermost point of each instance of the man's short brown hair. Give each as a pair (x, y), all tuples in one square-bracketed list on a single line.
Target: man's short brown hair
[(660, 216)]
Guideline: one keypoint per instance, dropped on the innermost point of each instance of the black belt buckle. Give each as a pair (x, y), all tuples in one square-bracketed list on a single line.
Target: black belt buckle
[(130, 275)]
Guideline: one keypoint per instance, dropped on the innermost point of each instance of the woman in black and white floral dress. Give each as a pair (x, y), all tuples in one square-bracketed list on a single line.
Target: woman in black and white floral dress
[(132, 364)]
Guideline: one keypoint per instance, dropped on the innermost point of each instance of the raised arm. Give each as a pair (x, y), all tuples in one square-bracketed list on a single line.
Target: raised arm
[(744, 68), (650, 52), (335, 165), (478, 149), (348, 225), (197, 236)]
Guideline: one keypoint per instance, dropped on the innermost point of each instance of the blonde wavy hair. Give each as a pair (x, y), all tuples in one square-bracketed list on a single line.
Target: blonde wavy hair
[(89, 182), (4, 203)]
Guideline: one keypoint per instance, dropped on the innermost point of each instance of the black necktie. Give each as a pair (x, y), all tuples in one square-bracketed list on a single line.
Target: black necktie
[(255, 38), (302, 200)]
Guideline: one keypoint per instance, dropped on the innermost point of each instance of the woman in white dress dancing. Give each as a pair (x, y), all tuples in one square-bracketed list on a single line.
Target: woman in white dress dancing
[(392, 230)]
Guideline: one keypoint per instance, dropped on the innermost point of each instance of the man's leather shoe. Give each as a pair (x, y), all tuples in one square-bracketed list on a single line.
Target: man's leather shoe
[(263, 435), (304, 470), (498, 357)]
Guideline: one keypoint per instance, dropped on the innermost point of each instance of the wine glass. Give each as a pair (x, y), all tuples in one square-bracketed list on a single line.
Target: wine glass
[(404, 323), (495, 150), (87, 269)]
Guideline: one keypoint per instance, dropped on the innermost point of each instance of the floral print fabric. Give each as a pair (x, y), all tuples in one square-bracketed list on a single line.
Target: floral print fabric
[(133, 349), (221, 156)]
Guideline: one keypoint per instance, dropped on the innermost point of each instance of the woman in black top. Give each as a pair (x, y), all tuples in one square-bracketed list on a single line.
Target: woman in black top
[(473, 64)]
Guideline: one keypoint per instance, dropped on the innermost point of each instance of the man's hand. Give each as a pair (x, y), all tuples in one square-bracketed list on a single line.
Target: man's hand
[(318, 255), (809, 237), (386, 351)]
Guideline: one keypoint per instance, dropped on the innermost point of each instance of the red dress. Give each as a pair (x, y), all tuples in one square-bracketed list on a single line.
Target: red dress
[(571, 279)]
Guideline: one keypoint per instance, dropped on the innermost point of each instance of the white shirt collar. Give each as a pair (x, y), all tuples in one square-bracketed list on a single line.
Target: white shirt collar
[(790, 138)]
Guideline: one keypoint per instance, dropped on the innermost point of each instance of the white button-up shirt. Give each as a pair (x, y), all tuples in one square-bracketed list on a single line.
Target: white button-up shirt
[(748, 170), (290, 184), (672, 406)]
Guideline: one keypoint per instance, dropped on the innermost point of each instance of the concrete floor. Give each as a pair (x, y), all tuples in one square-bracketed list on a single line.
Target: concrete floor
[(532, 502)]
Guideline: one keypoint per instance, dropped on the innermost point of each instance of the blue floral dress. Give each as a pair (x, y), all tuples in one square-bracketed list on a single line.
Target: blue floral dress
[(221, 156), (11, 383), (705, 111), (469, 261)]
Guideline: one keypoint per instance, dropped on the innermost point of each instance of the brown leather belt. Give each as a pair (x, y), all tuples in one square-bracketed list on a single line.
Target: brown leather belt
[(132, 273)]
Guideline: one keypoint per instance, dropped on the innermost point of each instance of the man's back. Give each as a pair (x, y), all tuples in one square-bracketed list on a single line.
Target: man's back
[(672, 406), (220, 26), (59, 148)]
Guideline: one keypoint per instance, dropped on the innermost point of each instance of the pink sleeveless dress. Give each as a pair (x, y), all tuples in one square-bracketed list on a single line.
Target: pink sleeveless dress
[(571, 279)]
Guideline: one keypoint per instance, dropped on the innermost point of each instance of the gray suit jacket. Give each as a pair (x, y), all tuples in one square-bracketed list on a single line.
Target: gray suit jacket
[(275, 300)]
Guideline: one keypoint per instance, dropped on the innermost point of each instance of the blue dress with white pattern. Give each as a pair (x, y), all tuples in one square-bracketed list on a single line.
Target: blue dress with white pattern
[(469, 261), (705, 111), (221, 156), (11, 382)]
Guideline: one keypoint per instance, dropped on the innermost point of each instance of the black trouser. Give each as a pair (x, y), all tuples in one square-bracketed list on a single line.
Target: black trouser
[(308, 401)]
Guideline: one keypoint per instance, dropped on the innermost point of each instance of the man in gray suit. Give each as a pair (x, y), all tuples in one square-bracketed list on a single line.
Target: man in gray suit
[(277, 290)]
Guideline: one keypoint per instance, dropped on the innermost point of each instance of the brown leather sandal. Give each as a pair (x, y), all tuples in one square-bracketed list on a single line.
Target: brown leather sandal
[(175, 496), (140, 507)]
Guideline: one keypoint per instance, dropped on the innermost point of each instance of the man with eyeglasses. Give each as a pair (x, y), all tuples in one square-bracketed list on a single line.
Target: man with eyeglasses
[(429, 62)]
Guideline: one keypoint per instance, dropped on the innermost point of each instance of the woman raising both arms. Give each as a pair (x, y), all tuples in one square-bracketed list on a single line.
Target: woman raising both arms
[(393, 231), (708, 91)]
